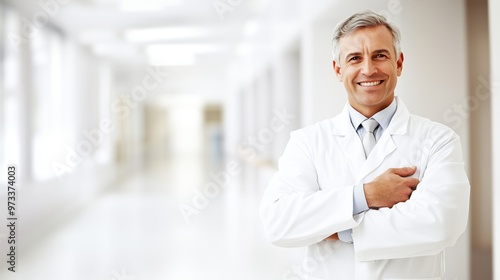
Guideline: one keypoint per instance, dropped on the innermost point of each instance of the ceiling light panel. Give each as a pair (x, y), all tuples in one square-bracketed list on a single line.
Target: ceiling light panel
[(184, 48), (164, 34), (148, 5)]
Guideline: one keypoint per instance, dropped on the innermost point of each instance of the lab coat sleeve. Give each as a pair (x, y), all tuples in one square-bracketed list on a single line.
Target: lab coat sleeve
[(432, 219), (295, 210)]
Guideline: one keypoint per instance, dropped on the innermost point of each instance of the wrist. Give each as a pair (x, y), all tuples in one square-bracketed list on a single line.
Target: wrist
[(370, 196)]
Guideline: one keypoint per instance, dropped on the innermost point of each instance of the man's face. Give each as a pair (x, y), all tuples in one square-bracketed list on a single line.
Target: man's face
[(368, 68)]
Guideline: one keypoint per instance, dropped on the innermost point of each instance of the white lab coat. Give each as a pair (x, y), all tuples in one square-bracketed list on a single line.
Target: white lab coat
[(311, 197)]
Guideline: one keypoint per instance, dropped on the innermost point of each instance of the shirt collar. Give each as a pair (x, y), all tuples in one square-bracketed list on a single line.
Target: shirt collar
[(383, 117)]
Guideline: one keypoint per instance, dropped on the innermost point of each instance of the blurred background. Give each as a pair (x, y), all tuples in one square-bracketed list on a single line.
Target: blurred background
[(144, 131)]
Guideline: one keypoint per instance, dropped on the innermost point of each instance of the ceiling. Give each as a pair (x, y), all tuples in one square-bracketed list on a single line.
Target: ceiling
[(139, 29), (199, 38)]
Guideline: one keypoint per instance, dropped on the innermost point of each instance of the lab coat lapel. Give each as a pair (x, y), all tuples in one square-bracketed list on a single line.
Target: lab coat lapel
[(386, 144), (349, 141), (384, 147)]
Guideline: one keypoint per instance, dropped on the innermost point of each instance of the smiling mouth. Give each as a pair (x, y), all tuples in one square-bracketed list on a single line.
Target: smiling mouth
[(370, 84)]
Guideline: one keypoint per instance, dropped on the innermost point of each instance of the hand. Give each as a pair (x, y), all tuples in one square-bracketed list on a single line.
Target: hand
[(334, 236), (391, 187)]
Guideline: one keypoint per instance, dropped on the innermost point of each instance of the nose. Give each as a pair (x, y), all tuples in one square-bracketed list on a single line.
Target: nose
[(368, 67)]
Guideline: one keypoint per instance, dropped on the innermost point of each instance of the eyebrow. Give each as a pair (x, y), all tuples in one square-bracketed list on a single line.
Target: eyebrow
[(379, 51), (384, 51)]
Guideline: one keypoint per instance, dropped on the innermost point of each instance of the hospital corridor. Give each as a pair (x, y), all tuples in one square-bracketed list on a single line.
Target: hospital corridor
[(138, 137), (134, 231)]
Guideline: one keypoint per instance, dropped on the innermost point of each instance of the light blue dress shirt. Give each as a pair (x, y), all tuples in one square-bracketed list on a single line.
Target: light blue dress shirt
[(384, 118)]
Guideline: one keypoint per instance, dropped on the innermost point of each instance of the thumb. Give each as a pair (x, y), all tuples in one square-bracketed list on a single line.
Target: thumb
[(405, 171)]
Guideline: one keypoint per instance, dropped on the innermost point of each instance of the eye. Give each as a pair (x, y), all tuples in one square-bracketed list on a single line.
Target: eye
[(380, 56), (354, 59)]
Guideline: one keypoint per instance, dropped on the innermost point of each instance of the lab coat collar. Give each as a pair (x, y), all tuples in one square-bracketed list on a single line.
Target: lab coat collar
[(398, 124), (383, 117)]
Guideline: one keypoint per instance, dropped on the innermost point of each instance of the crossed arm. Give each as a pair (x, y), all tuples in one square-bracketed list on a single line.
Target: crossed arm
[(388, 189), (296, 212)]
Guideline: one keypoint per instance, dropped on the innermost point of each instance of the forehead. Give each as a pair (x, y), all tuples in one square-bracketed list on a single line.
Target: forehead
[(367, 39)]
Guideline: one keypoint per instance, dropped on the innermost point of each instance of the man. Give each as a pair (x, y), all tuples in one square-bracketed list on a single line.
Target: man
[(390, 184)]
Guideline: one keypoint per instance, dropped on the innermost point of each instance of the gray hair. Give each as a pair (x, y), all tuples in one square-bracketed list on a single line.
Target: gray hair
[(361, 20)]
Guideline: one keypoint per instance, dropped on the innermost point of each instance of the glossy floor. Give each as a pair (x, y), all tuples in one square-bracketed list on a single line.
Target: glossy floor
[(136, 231)]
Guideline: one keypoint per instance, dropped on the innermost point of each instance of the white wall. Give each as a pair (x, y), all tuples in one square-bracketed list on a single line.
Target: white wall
[(61, 111), (323, 96), (287, 94)]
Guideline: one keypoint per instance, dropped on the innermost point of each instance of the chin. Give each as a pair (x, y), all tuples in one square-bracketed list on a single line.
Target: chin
[(373, 101), (372, 98)]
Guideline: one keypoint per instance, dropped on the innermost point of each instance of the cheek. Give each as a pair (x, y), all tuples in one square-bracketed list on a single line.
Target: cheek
[(390, 67), (347, 73), (348, 68)]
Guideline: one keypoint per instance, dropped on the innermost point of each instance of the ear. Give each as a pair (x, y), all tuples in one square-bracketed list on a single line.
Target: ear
[(399, 64), (338, 73)]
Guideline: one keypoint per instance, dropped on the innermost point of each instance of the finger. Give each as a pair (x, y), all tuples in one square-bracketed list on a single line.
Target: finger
[(404, 171), (412, 182), (412, 190)]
